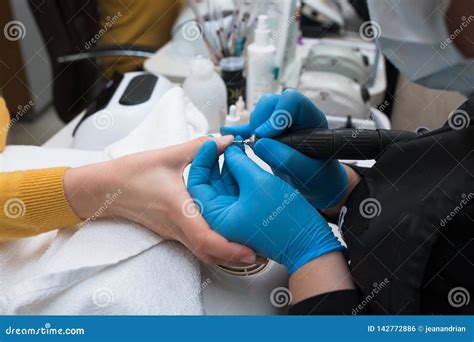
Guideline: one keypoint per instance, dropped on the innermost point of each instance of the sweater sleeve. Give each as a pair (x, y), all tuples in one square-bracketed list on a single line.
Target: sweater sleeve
[(345, 302), (4, 123), (33, 202)]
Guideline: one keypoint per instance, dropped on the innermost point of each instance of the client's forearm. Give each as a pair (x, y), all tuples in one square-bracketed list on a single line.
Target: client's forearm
[(85, 188), (352, 180), (327, 273)]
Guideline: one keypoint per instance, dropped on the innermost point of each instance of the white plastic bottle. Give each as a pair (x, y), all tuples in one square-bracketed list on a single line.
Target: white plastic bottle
[(242, 113), (207, 92), (261, 64), (233, 119)]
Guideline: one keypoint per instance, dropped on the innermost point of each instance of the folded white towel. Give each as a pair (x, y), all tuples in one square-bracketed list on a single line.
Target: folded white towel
[(105, 267)]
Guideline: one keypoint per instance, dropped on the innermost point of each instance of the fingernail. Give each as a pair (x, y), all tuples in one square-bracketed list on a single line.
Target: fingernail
[(226, 139), (249, 259)]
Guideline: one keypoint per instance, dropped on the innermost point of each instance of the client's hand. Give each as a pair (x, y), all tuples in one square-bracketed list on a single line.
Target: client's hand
[(148, 188), (322, 182), (250, 206)]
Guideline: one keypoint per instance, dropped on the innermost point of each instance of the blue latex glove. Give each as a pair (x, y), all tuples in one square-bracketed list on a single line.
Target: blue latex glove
[(250, 206), (322, 182)]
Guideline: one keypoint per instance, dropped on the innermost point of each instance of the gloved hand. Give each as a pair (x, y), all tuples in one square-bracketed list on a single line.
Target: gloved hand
[(250, 206), (322, 182), (153, 193)]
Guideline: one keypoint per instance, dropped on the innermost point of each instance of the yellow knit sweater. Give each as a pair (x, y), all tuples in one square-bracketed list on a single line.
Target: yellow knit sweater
[(31, 202)]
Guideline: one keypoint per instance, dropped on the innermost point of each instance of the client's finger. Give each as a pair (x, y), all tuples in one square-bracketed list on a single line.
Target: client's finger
[(222, 250), (188, 150)]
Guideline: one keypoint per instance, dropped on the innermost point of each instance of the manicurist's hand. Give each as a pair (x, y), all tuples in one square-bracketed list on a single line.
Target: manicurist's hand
[(322, 182), (250, 206), (148, 188)]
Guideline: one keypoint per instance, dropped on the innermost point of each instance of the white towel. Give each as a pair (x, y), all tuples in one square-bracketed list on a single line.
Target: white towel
[(105, 267)]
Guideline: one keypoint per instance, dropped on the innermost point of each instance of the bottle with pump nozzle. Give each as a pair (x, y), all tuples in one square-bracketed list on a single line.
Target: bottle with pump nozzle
[(261, 64)]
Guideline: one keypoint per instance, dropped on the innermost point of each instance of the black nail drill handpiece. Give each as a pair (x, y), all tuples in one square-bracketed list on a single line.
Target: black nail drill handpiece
[(343, 143)]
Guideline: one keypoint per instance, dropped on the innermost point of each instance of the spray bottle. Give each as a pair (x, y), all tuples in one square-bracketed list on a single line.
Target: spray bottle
[(261, 64)]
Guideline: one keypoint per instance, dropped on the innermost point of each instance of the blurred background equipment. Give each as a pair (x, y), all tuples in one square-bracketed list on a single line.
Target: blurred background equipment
[(120, 107), (66, 27), (142, 23), (336, 95), (72, 61), (262, 69), (232, 71), (13, 80), (77, 34), (342, 60)]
